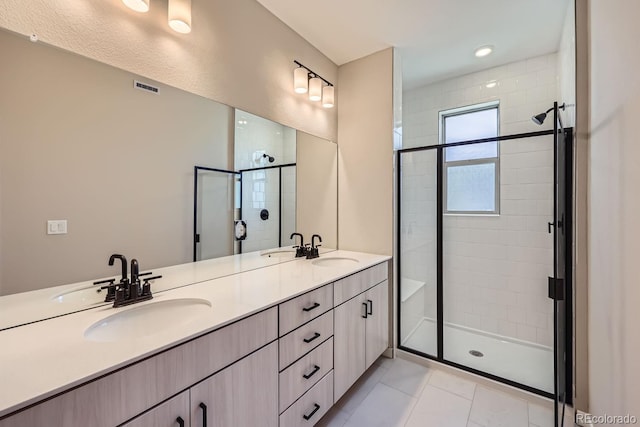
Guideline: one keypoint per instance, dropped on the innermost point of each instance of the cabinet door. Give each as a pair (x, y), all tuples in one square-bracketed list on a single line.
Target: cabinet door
[(242, 395), (348, 344), (172, 413), (377, 336)]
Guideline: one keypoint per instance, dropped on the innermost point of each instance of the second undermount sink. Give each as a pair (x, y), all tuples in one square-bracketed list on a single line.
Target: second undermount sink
[(86, 295), (335, 262), (279, 253), (147, 319)]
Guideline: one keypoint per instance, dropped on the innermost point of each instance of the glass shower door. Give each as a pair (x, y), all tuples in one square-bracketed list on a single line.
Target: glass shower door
[(418, 237)]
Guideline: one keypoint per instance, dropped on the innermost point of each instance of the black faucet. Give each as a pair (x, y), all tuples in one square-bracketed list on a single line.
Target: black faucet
[(134, 286), (301, 250), (128, 292), (313, 251), (112, 258)]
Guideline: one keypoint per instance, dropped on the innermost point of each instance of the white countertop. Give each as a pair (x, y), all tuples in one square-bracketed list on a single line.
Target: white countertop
[(44, 358), (26, 307)]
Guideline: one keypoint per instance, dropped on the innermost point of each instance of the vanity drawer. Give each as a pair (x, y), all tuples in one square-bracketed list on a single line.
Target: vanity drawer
[(300, 310), (304, 339), (350, 286), (302, 375), (311, 407)]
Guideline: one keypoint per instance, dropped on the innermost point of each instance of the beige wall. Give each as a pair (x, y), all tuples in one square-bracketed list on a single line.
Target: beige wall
[(317, 189), (365, 160), (614, 229), (238, 53), (78, 142)]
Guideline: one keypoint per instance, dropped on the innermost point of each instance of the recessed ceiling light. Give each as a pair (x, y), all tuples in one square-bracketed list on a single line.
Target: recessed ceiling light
[(491, 84), (483, 51)]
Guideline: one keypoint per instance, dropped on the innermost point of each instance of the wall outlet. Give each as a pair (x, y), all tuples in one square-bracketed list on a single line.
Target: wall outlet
[(57, 226)]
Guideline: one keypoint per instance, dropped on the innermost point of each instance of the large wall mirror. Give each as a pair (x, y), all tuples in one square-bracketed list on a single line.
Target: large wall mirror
[(79, 142)]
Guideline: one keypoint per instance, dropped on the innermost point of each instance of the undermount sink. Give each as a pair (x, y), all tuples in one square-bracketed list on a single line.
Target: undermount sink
[(146, 320), (85, 295), (279, 253), (335, 262)]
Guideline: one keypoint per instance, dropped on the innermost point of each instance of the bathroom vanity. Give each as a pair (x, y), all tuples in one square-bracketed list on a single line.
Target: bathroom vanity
[(278, 345)]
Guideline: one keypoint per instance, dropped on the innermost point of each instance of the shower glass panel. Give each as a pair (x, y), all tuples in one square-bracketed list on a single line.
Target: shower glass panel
[(216, 206), (497, 316), (261, 209), (418, 247)]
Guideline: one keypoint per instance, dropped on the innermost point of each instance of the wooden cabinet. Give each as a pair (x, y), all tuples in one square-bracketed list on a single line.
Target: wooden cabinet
[(361, 335), (306, 307), (284, 365), (118, 397), (242, 395), (377, 322), (172, 413), (348, 344)]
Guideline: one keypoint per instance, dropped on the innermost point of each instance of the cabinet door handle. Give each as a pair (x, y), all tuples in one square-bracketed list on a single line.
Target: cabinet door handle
[(180, 421), (312, 413), (370, 308), (366, 310), (204, 414), (308, 340), (316, 368), (315, 305)]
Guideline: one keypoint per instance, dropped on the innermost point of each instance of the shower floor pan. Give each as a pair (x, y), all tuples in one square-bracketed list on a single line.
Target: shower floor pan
[(523, 362)]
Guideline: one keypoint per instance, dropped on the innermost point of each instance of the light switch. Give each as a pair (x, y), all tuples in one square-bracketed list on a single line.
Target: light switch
[(57, 226)]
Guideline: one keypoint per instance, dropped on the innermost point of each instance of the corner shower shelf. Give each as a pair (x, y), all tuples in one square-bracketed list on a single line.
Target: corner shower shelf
[(410, 287)]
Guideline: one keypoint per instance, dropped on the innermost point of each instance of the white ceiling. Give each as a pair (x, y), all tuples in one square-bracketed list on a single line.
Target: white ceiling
[(436, 38)]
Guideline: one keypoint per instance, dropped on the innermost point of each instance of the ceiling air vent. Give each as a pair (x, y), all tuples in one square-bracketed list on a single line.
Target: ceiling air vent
[(145, 86)]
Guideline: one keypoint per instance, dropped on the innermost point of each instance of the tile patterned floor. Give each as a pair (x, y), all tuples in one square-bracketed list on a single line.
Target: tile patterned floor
[(396, 393)]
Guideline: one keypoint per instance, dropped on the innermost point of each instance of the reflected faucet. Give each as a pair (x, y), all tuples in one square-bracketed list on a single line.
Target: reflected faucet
[(301, 250)]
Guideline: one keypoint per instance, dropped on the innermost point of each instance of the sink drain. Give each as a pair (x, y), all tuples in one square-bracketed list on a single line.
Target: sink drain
[(476, 353)]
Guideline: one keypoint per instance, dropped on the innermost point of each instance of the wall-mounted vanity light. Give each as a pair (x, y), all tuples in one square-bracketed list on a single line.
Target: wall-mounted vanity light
[(305, 80), (179, 14)]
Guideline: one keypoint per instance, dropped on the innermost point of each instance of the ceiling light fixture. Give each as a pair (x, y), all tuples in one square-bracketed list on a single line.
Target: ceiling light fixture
[(180, 16), (137, 5), (491, 84), (483, 51), (320, 89)]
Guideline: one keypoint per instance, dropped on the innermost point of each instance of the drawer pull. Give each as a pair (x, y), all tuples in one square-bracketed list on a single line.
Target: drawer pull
[(204, 414), (366, 310), (312, 413), (308, 340), (370, 308), (314, 306), (180, 421), (316, 368)]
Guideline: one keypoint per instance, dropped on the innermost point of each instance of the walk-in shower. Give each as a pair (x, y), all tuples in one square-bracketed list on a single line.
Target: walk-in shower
[(483, 231)]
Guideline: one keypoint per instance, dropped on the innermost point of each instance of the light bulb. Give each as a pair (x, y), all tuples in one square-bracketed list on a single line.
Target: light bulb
[(483, 51)]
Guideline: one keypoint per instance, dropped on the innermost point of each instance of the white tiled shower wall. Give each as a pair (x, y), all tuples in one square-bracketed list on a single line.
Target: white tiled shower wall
[(495, 267), (256, 136)]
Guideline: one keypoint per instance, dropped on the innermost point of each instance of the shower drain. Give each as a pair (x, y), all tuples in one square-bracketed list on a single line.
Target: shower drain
[(476, 353)]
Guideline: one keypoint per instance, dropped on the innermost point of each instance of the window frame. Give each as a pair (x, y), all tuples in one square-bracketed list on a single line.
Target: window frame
[(495, 161)]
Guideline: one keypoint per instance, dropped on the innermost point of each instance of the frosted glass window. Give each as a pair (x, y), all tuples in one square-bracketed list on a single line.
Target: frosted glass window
[(471, 188), (471, 181)]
